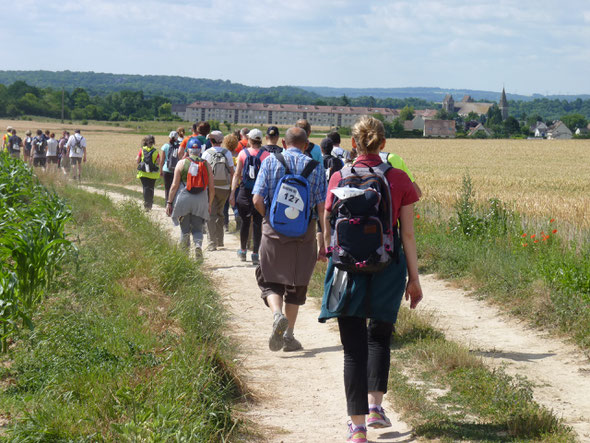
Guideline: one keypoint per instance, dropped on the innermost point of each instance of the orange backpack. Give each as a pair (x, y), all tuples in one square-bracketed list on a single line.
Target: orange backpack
[(197, 176)]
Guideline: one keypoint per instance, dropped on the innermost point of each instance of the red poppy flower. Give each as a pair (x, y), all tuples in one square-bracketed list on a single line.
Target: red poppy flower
[(536, 241), (533, 235), (552, 220), (524, 245), (417, 215), (524, 235), (554, 231)]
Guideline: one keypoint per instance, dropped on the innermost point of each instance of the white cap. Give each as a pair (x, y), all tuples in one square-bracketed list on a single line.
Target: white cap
[(255, 134), (173, 134)]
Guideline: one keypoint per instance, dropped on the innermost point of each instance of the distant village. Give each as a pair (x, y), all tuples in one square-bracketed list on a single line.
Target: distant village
[(424, 121)]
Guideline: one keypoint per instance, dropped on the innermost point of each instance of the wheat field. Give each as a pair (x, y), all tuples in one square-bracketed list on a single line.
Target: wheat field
[(539, 178)]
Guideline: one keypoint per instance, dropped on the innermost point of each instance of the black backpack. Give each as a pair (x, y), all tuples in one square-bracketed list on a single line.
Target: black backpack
[(308, 150), (147, 163), (172, 156), (39, 143), (251, 167), (332, 164)]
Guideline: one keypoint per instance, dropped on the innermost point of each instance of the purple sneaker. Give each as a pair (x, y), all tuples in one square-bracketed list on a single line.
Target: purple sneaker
[(356, 434), (378, 419)]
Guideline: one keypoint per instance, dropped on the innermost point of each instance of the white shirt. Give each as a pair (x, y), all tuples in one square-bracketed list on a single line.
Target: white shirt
[(339, 152), (208, 155), (72, 145), (51, 147)]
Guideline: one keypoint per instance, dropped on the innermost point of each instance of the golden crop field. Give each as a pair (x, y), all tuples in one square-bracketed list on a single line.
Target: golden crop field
[(539, 178)]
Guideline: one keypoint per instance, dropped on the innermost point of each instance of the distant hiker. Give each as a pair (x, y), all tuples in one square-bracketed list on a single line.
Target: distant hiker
[(222, 167), (249, 162), (242, 140), (168, 160), (180, 130), (5, 138), (15, 143), (39, 149), (191, 197), (62, 159), (331, 163), (204, 128), (147, 169), (191, 140), (337, 151), (28, 145), (272, 138), (312, 149), (230, 142), (289, 184), (370, 279), (76, 147), (52, 148), (397, 162)]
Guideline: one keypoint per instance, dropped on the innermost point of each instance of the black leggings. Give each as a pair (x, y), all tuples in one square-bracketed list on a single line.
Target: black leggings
[(168, 178), (248, 212), (366, 360), (148, 191)]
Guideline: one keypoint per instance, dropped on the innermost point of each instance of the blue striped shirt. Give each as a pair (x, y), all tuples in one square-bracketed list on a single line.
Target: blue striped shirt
[(271, 171)]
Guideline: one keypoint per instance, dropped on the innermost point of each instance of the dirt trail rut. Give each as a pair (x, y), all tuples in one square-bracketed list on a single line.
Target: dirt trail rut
[(301, 396), (298, 396)]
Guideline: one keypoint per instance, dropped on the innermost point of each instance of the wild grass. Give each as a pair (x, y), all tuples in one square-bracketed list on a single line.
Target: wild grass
[(127, 347)]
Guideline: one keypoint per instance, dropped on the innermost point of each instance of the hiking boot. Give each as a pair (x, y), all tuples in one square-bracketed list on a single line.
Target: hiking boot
[(279, 326), (291, 344), (242, 254), (255, 259), (377, 418), (356, 434), (211, 248), (198, 254)]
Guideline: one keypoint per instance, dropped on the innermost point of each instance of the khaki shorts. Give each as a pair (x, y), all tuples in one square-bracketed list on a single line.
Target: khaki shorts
[(294, 295)]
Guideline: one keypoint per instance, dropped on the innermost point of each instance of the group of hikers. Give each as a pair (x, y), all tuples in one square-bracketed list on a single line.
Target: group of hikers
[(46, 151), (296, 204)]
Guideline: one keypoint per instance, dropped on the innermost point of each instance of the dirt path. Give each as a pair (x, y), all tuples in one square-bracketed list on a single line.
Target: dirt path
[(298, 396), (560, 372)]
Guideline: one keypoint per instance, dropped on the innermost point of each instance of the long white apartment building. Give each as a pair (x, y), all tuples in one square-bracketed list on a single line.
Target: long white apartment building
[(273, 114)]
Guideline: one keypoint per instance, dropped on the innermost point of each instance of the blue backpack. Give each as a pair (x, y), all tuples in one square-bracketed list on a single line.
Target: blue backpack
[(251, 168), (290, 210)]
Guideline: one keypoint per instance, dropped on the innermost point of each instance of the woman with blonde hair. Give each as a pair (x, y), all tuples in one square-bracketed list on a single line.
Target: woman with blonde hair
[(230, 142), (376, 294)]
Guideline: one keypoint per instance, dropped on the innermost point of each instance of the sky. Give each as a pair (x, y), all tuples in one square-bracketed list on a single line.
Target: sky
[(540, 46)]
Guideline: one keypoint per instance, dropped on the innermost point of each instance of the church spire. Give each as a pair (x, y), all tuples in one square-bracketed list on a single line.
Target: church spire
[(503, 105)]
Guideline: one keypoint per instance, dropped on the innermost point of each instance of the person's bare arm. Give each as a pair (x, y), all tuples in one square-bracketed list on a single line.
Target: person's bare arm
[(161, 163), (258, 201), (174, 187), (326, 228), (235, 181), (413, 289)]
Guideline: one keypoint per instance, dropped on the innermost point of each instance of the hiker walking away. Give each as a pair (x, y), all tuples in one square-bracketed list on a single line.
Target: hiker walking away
[(338, 151), (312, 150), (222, 167), (272, 138), (242, 140), (195, 139), (63, 159), (28, 145), (14, 143), (52, 148), (397, 162), (366, 275), (249, 162), (6, 138), (189, 203), (39, 146), (230, 142), (288, 186), (168, 160), (76, 147), (147, 169)]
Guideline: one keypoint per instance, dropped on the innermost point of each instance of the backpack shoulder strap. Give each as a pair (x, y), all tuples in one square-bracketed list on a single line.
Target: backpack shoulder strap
[(309, 167), (281, 158), (260, 152), (224, 151), (247, 152), (383, 168), (346, 172)]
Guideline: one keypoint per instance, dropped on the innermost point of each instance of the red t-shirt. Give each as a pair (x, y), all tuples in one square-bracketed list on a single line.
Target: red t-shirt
[(241, 145), (400, 186)]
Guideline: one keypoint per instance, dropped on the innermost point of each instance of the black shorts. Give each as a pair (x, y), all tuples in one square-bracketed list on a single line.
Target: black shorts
[(39, 161), (52, 159), (75, 160), (294, 295)]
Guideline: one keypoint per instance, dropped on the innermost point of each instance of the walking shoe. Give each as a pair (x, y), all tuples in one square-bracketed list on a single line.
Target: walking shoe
[(357, 434), (279, 326), (198, 254), (255, 259), (211, 248), (291, 344), (378, 419), (242, 254)]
